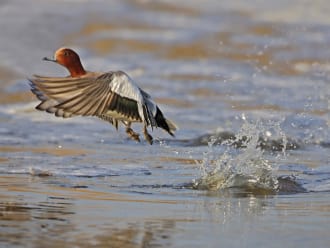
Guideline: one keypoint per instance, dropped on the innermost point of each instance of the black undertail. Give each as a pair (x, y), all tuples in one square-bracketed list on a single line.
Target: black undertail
[(161, 121)]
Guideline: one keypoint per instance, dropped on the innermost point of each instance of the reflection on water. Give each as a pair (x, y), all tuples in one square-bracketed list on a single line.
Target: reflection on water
[(246, 82), (62, 217), (51, 210), (74, 220)]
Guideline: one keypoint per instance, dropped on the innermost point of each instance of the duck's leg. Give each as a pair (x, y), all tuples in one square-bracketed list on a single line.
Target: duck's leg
[(147, 136), (133, 135)]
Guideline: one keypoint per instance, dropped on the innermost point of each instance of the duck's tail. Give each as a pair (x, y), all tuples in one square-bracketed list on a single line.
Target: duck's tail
[(164, 123)]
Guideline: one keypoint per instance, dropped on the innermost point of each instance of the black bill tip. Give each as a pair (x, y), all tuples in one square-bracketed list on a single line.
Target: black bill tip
[(48, 59)]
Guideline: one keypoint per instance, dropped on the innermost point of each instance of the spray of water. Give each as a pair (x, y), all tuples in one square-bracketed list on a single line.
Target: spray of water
[(246, 167)]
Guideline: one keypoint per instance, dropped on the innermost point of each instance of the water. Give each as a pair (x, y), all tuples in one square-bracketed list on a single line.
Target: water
[(246, 82)]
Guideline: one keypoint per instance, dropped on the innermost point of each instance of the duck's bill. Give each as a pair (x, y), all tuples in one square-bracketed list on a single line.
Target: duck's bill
[(49, 59)]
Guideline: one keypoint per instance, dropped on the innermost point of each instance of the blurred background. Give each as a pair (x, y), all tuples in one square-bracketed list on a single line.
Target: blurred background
[(267, 59), (218, 69)]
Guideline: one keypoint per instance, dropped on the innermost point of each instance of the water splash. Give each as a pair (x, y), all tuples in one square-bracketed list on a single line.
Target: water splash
[(246, 167)]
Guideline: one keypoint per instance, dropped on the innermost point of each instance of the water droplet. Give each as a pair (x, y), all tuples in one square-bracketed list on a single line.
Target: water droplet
[(260, 53)]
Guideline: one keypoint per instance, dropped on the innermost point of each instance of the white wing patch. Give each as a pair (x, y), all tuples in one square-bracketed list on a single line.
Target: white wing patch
[(124, 86)]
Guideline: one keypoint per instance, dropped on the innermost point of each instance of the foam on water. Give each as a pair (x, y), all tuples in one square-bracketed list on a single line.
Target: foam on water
[(246, 167)]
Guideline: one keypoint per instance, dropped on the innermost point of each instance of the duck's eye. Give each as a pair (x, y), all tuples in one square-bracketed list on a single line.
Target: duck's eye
[(66, 53)]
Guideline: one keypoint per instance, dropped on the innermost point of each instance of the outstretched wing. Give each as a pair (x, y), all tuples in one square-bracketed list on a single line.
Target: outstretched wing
[(113, 95)]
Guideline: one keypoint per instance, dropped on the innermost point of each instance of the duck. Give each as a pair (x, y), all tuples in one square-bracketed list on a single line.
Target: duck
[(111, 96)]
